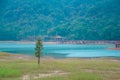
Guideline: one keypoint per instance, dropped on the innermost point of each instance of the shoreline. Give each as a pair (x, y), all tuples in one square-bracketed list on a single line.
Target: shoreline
[(99, 42), (29, 57), (29, 42), (114, 48)]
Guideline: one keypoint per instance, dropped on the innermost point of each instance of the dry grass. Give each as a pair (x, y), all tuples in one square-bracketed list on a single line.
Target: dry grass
[(71, 69)]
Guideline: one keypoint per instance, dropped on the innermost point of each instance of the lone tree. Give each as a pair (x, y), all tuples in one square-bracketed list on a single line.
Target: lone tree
[(38, 49)]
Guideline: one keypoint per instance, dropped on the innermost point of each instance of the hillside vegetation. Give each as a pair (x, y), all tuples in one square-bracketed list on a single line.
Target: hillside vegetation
[(72, 19)]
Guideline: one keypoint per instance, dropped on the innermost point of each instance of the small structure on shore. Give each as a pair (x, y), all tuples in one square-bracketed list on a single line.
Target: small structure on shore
[(117, 44), (53, 38)]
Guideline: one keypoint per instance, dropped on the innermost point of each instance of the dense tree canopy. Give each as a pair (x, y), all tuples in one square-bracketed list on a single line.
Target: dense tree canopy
[(72, 19)]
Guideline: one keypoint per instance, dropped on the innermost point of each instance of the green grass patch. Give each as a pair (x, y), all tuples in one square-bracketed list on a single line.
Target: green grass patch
[(7, 72), (86, 76)]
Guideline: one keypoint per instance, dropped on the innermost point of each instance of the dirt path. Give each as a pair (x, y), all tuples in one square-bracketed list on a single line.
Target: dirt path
[(52, 73)]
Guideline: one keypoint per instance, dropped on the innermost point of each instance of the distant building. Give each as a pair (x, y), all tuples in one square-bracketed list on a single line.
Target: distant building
[(117, 44), (53, 38)]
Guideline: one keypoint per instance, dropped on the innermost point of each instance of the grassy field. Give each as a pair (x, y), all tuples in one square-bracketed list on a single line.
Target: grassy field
[(20, 67)]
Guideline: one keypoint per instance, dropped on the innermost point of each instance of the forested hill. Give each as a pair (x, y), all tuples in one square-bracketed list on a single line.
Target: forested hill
[(72, 19)]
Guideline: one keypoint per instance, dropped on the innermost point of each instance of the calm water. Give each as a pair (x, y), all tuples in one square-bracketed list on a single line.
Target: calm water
[(63, 50)]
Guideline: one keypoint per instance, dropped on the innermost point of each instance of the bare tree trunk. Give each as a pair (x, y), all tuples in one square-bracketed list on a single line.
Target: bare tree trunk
[(38, 60)]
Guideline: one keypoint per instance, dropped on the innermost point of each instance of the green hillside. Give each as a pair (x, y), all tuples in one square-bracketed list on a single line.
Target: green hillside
[(72, 19)]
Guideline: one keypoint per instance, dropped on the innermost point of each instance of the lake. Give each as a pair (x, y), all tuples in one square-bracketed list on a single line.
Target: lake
[(62, 50)]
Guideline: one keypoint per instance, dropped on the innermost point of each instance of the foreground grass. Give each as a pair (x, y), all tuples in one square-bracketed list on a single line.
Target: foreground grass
[(74, 69)]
